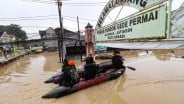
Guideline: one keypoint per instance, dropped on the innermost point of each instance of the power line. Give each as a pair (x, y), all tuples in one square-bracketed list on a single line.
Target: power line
[(40, 1), (69, 4), (41, 18), (81, 18), (34, 26), (75, 21), (81, 5), (29, 17), (26, 19), (45, 27), (37, 19), (63, 1), (88, 3)]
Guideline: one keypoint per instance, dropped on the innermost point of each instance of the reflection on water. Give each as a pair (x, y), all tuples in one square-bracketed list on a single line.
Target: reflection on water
[(166, 55), (130, 54), (15, 69), (51, 61), (158, 79), (163, 55), (154, 82), (178, 53), (22, 68)]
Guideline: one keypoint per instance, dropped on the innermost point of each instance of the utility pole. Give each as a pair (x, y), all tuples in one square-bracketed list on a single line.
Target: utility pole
[(80, 43), (60, 43)]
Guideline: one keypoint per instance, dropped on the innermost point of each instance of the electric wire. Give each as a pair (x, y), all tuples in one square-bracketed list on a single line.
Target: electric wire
[(42, 17), (69, 3)]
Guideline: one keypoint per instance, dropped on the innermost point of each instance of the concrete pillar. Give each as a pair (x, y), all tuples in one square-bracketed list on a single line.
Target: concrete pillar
[(89, 39)]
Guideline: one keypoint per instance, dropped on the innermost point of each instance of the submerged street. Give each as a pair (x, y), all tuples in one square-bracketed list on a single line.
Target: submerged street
[(158, 79), (36, 35)]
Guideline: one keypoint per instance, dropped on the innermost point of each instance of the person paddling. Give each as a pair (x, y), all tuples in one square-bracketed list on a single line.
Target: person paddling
[(117, 60)]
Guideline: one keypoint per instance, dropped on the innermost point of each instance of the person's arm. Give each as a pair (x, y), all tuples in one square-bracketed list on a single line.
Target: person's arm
[(93, 60)]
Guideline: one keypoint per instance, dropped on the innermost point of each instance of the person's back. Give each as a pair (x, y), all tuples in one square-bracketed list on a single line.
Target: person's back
[(90, 71), (117, 60), (90, 59)]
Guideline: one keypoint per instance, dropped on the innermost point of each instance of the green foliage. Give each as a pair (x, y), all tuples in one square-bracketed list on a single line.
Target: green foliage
[(2, 29), (15, 30)]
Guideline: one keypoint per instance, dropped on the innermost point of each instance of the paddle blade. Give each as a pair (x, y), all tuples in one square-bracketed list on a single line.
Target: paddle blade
[(129, 67)]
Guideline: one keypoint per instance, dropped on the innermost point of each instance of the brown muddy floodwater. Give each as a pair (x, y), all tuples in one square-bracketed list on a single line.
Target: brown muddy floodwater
[(158, 79)]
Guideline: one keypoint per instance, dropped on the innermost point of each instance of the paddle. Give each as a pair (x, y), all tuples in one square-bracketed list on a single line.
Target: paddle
[(131, 68)]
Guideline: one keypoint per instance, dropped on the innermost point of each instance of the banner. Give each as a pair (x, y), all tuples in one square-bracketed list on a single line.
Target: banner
[(137, 4), (149, 23)]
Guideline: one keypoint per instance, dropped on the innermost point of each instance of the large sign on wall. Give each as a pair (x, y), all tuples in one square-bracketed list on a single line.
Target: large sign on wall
[(138, 4), (150, 23)]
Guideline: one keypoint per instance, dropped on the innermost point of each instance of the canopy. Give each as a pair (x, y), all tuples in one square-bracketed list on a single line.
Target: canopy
[(145, 45)]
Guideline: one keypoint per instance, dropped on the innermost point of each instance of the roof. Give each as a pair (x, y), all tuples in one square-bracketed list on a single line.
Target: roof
[(5, 35)]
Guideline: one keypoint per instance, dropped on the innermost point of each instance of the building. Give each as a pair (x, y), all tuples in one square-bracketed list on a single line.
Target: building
[(7, 38), (70, 40), (49, 45)]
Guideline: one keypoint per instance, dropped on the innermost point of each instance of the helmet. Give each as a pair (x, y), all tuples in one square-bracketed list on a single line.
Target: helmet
[(71, 63)]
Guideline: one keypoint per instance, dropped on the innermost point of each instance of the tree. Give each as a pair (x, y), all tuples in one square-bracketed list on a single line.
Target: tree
[(2, 29), (14, 30)]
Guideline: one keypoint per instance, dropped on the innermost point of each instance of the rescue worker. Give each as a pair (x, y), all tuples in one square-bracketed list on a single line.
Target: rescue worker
[(90, 68), (69, 77), (117, 60), (65, 64), (90, 58)]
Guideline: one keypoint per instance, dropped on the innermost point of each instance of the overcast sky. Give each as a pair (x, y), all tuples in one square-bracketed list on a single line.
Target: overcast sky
[(33, 16)]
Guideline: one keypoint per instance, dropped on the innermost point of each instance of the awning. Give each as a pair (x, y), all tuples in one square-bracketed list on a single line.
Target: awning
[(145, 45)]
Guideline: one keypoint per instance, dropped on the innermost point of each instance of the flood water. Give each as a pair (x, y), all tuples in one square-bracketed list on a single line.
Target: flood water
[(158, 79)]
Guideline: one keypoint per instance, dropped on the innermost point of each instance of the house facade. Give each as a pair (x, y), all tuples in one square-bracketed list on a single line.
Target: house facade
[(6, 38), (49, 45), (72, 46)]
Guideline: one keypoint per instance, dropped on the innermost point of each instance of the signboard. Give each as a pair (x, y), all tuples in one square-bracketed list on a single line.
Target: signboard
[(150, 23), (137, 4)]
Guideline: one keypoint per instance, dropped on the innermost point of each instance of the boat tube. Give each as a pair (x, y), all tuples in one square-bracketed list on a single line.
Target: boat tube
[(60, 91), (102, 67)]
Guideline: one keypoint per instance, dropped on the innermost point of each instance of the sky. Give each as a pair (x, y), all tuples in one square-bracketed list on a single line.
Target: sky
[(35, 15)]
